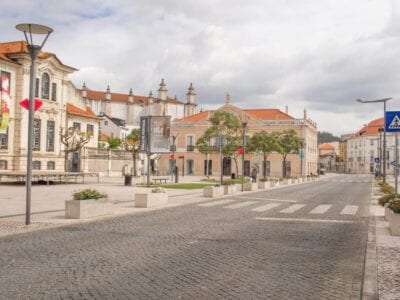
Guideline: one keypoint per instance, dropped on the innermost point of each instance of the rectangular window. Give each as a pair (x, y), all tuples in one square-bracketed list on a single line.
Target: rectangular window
[(3, 165), (89, 129), (37, 87), (190, 143), (50, 136), (54, 91), (371, 142), (4, 140), (36, 165), (36, 134), (76, 125), (51, 165)]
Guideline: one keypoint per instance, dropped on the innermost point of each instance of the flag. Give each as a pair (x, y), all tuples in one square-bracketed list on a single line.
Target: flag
[(239, 151)]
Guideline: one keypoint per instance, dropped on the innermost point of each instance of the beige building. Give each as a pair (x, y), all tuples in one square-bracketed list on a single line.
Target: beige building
[(63, 107), (192, 162)]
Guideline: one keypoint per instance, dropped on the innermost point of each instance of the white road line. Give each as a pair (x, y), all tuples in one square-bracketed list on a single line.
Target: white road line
[(267, 199), (321, 209), (265, 207), (349, 210), (306, 220), (214, 203), (240, 204), (292, 208)]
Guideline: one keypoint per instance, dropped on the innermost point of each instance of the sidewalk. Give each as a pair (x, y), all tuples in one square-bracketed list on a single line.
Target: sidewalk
[(387, 252)]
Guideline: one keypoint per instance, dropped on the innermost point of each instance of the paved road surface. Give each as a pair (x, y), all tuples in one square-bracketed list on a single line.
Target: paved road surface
[(301, 242)]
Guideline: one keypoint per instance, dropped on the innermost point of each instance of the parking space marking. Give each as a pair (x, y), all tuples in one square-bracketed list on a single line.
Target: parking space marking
[(321, 209), (292, 208)]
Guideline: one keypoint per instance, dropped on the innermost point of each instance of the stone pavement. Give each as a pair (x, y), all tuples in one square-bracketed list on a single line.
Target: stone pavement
[(387, 252)]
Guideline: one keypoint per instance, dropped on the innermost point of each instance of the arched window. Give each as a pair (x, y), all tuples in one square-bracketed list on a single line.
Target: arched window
[(45, 86)]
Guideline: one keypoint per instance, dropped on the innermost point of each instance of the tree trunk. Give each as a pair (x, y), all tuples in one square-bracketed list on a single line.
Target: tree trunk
[(66, 162), (237, 168), (265, 165), (284, 166), (134, 165)]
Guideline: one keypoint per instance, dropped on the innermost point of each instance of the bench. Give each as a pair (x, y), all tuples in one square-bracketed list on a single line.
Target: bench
[(160, 179)]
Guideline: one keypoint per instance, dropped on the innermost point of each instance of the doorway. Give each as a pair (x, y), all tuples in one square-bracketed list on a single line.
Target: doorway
[(226, 166), (246, 168), (190, 166), (75, 162)]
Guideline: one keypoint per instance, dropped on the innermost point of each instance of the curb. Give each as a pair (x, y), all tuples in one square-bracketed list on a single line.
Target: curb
[(370, 276)]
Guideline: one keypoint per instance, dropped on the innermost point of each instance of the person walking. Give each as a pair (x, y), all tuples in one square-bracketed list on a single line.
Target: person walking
[(254, 175)]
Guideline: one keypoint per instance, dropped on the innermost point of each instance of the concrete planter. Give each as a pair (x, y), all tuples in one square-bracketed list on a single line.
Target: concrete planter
[(303, 179), (308, 178), (284, 182), (273, 183), (82, 209), (146, 200), (394, 223), (264, 184), (251, 186), (387, 212), (293, 180), (213, 191), (230, 189)]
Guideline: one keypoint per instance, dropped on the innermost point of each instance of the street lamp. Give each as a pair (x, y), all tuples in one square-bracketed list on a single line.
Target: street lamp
[(384, 100), (244, 121), (29, 29)]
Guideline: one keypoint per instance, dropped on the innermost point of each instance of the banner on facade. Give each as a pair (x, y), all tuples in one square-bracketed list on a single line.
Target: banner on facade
[(155, 134), (5, 101)]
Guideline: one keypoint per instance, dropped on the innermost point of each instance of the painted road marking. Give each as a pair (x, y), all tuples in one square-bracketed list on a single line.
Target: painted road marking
[(268, 199), (265, 207), (240, 204), (292, 208), (321, 209), (307, 220), (214, 203), (349, 210)]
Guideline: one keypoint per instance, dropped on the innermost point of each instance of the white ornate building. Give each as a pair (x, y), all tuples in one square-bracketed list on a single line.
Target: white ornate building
[(63, 107)]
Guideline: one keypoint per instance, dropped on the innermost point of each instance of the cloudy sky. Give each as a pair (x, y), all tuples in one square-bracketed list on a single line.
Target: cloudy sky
[(315, 54)]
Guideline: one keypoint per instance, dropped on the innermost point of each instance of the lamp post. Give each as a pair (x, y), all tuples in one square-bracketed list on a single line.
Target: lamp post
[(380, 130), (384, 100), (29, 30), (244, 124), (173, 161)]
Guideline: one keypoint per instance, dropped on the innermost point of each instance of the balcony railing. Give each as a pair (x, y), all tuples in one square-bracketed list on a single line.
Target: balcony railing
[(172, 148), (190, 148)]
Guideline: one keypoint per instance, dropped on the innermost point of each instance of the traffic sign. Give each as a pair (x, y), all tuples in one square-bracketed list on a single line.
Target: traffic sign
[(377, 160), (392, 121), (393, 163)]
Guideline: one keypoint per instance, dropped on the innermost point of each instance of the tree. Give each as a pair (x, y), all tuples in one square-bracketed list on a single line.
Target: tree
[(74, 140), (327, 137), (131, 144), (114, 142), (265, 143), (224, 125), (203, 145), (288, 143)]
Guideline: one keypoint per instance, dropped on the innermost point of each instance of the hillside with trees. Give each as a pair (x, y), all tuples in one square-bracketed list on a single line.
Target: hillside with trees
[(327, 137)]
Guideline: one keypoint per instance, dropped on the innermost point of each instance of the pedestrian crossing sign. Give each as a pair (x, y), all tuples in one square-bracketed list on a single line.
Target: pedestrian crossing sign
[(392, 121)]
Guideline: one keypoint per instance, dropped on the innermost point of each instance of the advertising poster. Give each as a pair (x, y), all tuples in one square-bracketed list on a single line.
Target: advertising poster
[(160, 134), (5, 101)]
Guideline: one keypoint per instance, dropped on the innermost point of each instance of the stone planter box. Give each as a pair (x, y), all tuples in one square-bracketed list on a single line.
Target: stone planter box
[(251, 186), (264, 184), (82, 209), (387, 212), (273, 183), (284, 182), (308, 178), (146, 200), (303, 179), (394, 223), (230, 189), (293, 180), (213, 191)]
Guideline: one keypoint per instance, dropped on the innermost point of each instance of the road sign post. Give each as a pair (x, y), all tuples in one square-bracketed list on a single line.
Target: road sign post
[(392, 124)]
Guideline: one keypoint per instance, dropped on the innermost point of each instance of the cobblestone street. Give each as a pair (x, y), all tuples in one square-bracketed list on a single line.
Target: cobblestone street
[(300, 242)]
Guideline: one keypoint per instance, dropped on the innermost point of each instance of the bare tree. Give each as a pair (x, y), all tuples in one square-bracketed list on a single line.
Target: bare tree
[(131, 144), (74, 140)]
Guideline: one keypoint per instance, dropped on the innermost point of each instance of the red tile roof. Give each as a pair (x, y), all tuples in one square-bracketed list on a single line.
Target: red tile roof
[(326, 146), (268, 114), (76, 111), (262, 114), (103, 137), (372, 128), (9, 48)]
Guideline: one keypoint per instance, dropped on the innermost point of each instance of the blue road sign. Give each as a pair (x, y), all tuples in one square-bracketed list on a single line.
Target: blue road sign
[(392, 121), (376, 159)]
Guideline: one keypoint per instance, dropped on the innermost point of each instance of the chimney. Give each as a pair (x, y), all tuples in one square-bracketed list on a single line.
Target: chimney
[(228, 98), (305, 114), (150, 99), (130, 97), (107, 102), (286, 109), (84, 96)]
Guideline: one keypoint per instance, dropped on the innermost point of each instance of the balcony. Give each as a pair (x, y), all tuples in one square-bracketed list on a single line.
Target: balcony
[(190, 148), (172, 148)]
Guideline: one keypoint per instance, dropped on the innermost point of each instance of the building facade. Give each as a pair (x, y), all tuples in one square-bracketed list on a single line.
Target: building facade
[(365, 149), (191, 162), (62, 107)]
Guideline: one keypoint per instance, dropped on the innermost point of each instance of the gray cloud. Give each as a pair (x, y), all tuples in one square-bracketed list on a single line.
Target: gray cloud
[(319, 55)]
